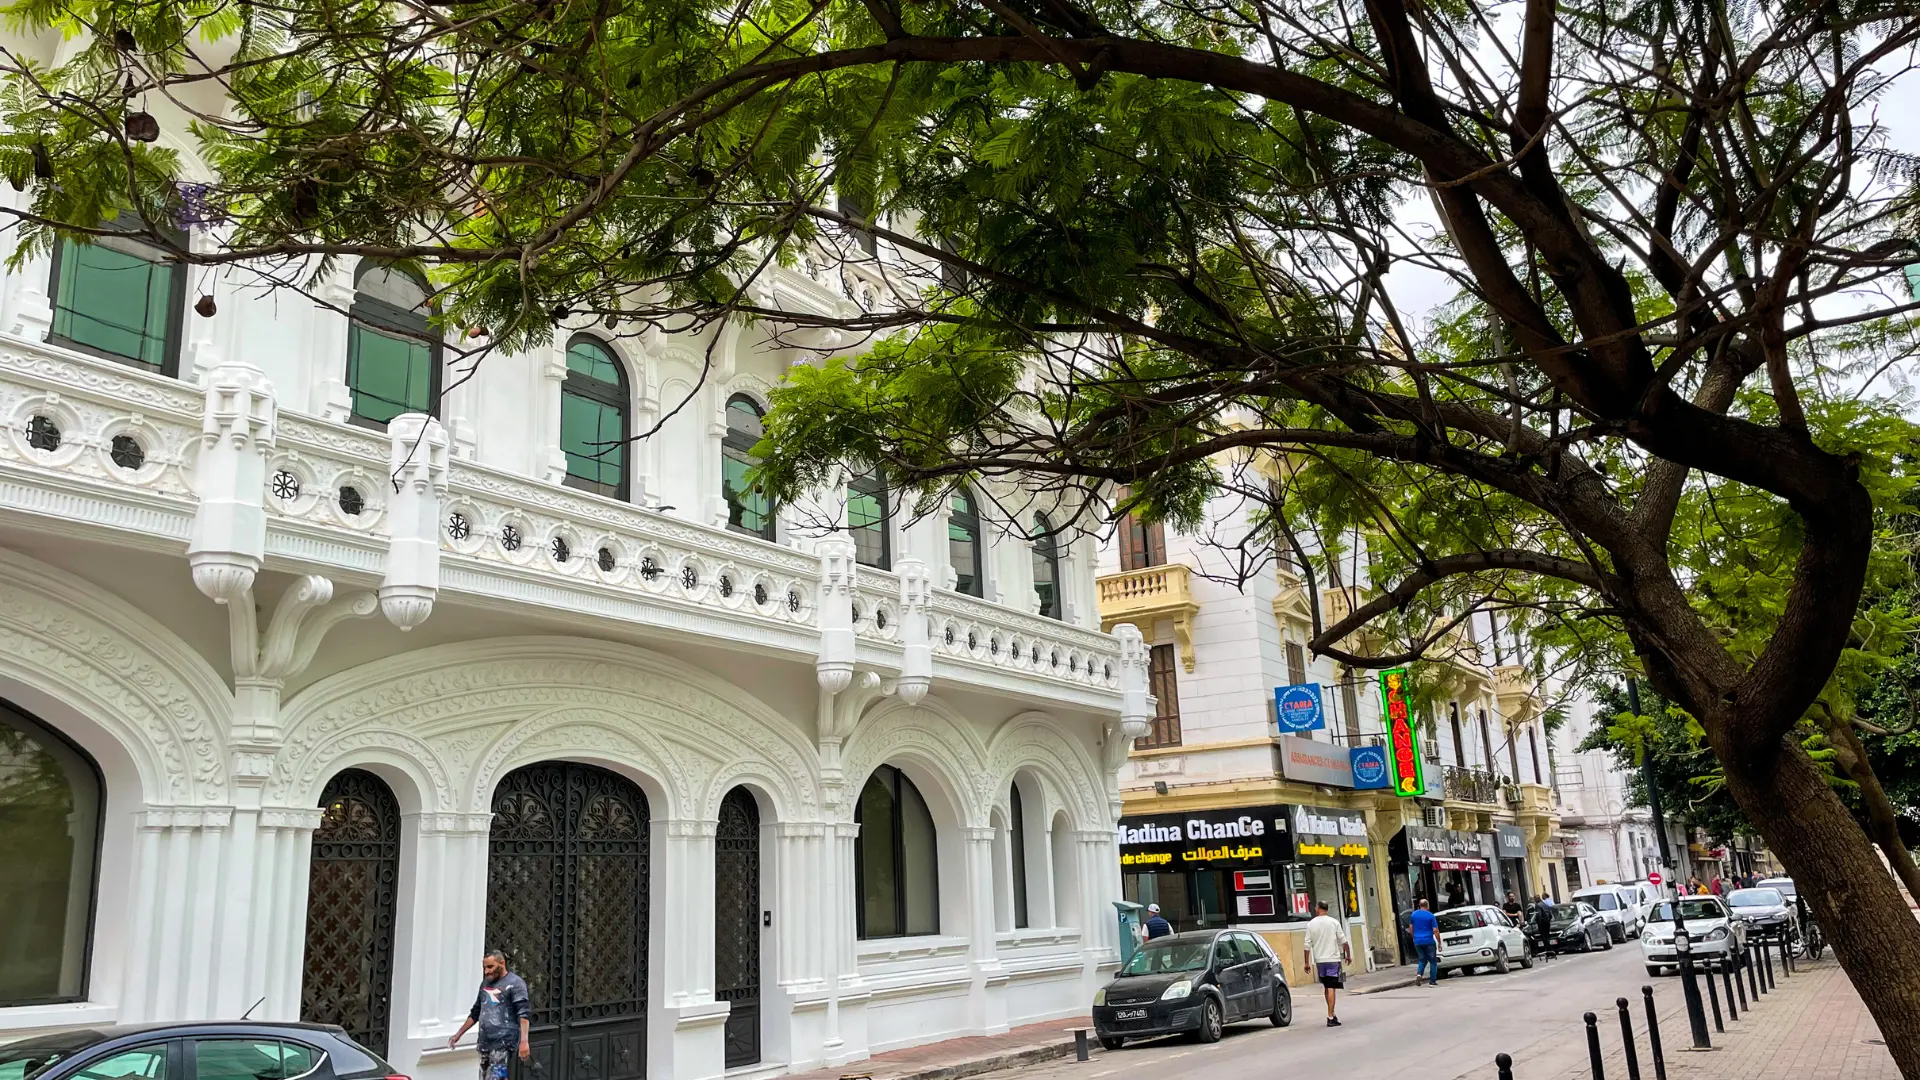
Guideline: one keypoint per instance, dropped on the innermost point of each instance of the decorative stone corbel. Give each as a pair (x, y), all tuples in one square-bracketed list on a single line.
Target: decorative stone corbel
[(419, 469), (838, 570), (916, 656), (230, 522), (263, 660), (1136, 704)]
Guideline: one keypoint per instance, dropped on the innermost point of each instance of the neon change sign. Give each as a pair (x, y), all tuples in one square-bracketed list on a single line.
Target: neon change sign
[(1404, 748)]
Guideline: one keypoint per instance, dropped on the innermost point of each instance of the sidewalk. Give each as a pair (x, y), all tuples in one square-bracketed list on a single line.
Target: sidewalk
[(1809, 1027), (969, 1056), (1373, 982)]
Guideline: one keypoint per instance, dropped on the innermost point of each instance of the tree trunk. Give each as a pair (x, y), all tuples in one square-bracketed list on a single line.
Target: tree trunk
[(1882, 821), (1874, 935)]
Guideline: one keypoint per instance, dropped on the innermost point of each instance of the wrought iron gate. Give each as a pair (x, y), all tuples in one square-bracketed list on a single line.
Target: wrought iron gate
[(567, 903), (352, 882), (736, 924)]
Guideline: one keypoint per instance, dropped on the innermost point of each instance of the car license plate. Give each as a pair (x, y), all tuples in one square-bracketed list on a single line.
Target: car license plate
[(1468, 940), (1130, 1014)]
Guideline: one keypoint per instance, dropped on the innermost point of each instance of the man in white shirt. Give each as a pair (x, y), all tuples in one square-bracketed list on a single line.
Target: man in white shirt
[(1328, 950)]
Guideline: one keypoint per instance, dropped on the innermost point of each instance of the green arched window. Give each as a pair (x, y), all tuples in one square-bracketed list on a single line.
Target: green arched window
[(593, 418), (1046, 566), (963, 543), (50, 812), (120, 297), (748, 510), (870, 521), (393, 353), (895, 859)]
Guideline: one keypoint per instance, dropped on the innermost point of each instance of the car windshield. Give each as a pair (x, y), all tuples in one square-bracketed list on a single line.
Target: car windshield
[(1564, 914), (1689, 909), (31, 1056), (1605, 901), (1168, 955), (1457, 920), (1756, 898), (1785, 885)]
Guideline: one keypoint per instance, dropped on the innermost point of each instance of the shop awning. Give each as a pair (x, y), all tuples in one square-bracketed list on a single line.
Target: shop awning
[(1479, 865)]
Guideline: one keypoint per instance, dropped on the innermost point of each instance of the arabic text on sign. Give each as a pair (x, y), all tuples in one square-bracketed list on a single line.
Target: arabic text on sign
[(1207, 854)]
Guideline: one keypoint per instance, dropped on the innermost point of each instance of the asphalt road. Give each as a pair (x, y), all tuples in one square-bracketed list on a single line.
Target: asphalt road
[(1418, 1033)]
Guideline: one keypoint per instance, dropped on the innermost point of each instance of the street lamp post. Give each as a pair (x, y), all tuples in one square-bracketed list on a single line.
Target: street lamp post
[(1696, 1009)]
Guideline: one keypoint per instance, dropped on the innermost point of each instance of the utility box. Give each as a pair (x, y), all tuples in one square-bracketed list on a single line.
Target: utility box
[(1128, 914)]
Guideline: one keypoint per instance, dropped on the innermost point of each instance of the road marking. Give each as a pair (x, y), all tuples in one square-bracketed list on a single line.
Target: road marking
[(1103, 1072), (1182, 1053)]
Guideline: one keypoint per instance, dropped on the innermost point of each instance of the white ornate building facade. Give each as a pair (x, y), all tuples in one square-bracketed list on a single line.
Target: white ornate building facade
[(326, 664)]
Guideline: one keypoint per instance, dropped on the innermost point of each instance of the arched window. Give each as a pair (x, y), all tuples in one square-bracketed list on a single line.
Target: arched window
[(1019, 858), (895, 859), (50, 808), (1046, 566), (870, 521), (748, 510), (120, 297), (593, 419), (393, 354), (963, 543)]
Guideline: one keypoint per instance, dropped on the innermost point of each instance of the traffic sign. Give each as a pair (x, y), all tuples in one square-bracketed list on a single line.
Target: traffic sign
[(1653, 878)]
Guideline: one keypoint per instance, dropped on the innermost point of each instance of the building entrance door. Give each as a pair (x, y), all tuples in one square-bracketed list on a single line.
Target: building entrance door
[(736, 924), (567, 902), (352, 885)]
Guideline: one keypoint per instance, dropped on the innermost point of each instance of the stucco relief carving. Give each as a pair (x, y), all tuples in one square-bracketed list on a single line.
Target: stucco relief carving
[(943, 742), (1034, 741), (124, 671), (466, 714)]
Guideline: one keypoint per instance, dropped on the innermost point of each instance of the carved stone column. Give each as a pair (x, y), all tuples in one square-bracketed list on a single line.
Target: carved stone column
[(419, 471), (229, 522), (693, 1024), (442, 921)]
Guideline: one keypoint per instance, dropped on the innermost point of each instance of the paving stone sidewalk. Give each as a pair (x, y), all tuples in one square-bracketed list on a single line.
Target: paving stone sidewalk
[(970, 1056), (1809, 1027)]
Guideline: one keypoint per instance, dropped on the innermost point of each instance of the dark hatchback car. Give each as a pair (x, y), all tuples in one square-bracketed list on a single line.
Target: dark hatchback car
[(236, 1050), (1199, 981), (1576, 928)]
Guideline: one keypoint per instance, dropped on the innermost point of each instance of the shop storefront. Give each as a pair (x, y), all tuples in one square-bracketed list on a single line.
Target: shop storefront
[(1257, 864), (1444, 867), (1510, 844), (1553, 853)]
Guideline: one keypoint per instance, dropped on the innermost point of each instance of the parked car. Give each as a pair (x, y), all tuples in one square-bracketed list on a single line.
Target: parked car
[(241, 1050), (1764, 909), (1199, 981), (1480, 936), (1576, 927), (1616, 905), (1784, 884), (1712, 932), (1645, 895)]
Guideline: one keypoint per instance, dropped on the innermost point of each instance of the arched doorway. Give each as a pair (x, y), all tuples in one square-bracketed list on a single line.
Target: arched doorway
[(736, 924), (51, 802), (352, 887), (567, 902)]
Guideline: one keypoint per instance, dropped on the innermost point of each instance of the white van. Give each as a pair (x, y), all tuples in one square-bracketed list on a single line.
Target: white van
[(1617, 905)]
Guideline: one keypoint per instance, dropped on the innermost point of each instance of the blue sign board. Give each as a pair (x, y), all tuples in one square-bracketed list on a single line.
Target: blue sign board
[(1297, 708), (1369, 767)]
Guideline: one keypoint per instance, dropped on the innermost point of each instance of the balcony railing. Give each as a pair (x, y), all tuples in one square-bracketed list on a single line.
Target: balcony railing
[(107, 447), (1472, 785), (1143, 596)]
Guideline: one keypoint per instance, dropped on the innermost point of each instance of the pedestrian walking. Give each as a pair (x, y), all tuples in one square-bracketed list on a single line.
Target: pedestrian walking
[(1716, 887), (502, 1010), (1157, 926), (1328, 950), (1425, 946)]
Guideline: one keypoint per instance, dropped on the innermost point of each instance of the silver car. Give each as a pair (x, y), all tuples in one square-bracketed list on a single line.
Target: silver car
[(1713, 934), (1767, 909)]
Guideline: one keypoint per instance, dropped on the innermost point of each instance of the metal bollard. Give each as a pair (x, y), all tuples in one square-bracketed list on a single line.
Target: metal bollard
[(1593, 1047), (1690, 990), (1753, 970), (1728, 982), (1766, 965), (1653, 1035), (1080, 1044), (1504, 1063), (1713, 998), (1626, 1037), (1786, 955)]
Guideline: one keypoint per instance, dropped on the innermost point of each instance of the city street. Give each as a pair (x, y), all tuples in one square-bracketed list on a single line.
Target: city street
[(1454, 1031)]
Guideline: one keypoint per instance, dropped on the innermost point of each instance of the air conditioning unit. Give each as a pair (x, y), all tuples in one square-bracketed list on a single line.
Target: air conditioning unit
[(1434, 817)]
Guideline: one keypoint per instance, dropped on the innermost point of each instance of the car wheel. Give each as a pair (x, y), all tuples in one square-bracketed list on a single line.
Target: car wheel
[(1526, 955), (1586, 942), (1112, 1042), (1606, 942), (1616, 932), (1500, 965), (1654, 970), (1211, 1022), (1282, 1014)]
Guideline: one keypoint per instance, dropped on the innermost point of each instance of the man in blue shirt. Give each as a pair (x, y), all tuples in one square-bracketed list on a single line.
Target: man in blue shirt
[(1157, 926), (1424, 945), (503, 1011)]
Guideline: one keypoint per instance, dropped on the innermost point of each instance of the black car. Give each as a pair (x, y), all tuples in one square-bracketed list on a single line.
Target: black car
[(1579, 928), (1199, 981), (237, 1050)]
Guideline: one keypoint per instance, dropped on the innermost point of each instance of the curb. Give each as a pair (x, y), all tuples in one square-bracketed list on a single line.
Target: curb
[(1394, 984), (1011, 1059)]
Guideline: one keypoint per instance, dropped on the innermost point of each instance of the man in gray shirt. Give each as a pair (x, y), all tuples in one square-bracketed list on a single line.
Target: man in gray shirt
[(503, 1011)]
